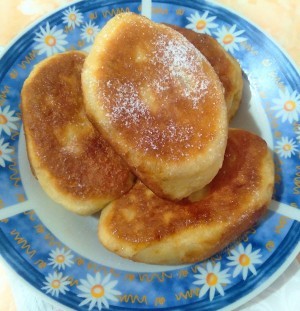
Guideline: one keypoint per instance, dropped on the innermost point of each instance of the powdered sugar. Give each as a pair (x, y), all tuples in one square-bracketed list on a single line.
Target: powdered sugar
[(179, 133), (128, 106), (193, 94), (167, 80), (183, 65), (174, 54), (158, 137)]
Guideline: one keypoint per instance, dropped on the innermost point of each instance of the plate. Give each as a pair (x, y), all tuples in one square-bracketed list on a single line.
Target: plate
[(58, 253)]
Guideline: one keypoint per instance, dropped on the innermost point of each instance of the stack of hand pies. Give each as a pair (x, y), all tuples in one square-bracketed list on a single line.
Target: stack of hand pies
[(139, 129)]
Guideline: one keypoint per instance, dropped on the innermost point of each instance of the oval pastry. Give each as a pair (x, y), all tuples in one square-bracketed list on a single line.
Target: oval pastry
[(73, 163), (158, 102), (145, 228)]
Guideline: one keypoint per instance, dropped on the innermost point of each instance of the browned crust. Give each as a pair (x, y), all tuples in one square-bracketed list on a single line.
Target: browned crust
[(226, 67), (235, 200), (62, 144), (158, 102)]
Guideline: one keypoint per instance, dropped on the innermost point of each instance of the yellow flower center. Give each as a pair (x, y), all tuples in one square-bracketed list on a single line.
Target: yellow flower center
[(228, 38), (1, 152), (287, 147), (90, 31), (211, 279), (3, 119), (55, 284), (289, 105), (97, 291), (244, 260), (201, 24), (50, 40), (60, 258), (72, 17)]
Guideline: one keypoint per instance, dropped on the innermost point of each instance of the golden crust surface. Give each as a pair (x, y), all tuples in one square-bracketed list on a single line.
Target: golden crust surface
[(158, 102), (73, 163), (226, 66), (143, 227)]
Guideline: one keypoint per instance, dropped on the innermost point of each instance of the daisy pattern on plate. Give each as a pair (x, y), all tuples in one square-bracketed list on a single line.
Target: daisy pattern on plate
[(89, 31), (229, 38), (5, 152), (98, 291), (7, 120), (286, 147), (61, 258), (287, 106), (56, 284), (50, 40), (244, 260), (201, 24), (212, 279), (72, 17)]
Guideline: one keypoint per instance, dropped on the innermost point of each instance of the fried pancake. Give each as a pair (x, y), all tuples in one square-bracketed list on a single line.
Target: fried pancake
[(74, 165), (145, 228), (158, 102), (226, 67)]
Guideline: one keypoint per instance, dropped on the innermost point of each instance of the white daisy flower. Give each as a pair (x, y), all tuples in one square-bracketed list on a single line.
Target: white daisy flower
[(89, 31), (4, 152), (60, 258), (211, 279), (286, 147), (6, 120), (50, 40), (244, 260), (72, 17), (229, 38), (56, 284), (98, 291), (287, 106), (201, 24)]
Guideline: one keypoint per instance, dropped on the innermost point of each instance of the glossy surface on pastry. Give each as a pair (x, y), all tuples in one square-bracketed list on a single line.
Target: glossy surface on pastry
[(158, 102), (75, 166), (145, 228)]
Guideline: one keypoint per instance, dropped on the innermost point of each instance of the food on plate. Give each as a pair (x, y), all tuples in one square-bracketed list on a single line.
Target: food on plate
[(145, 228), (158, 102), (150, 101), (226, 66), (75, 166)]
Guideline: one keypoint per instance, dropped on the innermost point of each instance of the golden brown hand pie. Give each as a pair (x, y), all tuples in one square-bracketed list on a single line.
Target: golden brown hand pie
[(158, 102), (75, 166), (143, 227)]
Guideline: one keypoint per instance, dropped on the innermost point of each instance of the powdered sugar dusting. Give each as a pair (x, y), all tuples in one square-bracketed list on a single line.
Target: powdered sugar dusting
[(151, 97), (193, 93), (179, 133), (128, 106), (156, 138), (183, 65), (176, 55)]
